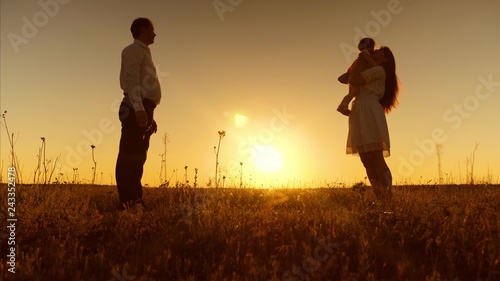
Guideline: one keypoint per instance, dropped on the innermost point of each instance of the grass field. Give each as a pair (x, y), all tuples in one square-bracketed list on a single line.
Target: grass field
[(72, 232)]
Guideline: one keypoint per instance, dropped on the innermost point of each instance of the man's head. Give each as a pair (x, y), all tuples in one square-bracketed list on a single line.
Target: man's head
[(142, 29)]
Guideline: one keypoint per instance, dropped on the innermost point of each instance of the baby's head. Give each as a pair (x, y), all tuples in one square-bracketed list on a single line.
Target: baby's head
[(366, 44)]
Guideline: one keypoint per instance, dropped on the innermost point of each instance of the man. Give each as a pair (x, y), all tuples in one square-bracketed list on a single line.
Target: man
[(142, 93)]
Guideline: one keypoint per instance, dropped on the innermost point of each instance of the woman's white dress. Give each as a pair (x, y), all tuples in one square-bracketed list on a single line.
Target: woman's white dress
[(367, 123)]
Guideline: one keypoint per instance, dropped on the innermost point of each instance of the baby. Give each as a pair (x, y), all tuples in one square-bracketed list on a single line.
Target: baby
[(366, 45)]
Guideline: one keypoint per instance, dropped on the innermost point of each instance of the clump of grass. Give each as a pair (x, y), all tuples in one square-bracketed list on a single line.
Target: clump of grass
[(469, 165), (14, 160), (48, 166), (361, 188), (94, 168), (222, 134)]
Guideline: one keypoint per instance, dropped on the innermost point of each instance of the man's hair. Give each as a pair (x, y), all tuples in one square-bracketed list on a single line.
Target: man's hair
[(137, 25)]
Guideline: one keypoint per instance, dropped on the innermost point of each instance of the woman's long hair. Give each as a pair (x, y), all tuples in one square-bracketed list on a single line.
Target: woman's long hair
[(390, 98)]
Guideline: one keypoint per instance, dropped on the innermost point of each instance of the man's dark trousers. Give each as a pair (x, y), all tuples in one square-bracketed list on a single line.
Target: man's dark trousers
[(134, 144)]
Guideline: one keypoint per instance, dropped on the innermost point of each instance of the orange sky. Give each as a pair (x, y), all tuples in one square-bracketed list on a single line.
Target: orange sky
[(263, 71)]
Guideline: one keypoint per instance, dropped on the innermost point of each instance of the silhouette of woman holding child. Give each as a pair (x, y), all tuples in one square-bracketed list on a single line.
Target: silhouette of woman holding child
[(368, 132)]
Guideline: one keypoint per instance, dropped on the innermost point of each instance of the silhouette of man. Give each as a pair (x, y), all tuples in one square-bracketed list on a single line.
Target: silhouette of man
[(142, 93)]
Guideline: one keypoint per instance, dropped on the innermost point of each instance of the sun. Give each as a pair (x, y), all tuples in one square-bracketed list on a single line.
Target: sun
[(268, 158)]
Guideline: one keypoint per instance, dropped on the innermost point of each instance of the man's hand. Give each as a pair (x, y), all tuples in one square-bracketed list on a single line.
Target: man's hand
[(142, 118), (153, 127)]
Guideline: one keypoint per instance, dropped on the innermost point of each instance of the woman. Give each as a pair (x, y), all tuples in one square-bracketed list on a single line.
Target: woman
[(368, 133)]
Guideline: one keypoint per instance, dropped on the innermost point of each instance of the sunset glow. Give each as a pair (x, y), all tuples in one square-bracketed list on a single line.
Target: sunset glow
[(268, 158), (265, 72)]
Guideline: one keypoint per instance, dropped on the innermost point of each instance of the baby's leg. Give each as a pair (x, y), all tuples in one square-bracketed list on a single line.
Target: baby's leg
[(344, 105)]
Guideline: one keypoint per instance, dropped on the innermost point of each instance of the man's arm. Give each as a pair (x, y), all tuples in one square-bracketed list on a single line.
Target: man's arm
[(131, 60), (131, 64)]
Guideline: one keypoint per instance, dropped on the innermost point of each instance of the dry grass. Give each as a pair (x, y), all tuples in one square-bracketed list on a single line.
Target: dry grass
[(429, 233)]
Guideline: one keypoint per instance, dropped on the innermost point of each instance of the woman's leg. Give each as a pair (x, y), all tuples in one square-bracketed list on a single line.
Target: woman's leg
[(371, 172), (383, 173)]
